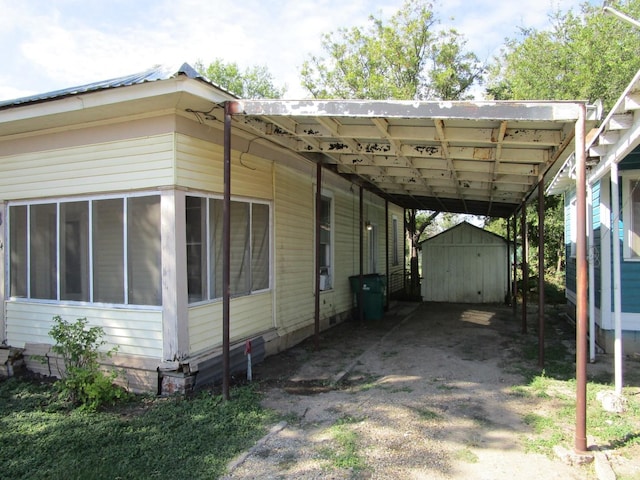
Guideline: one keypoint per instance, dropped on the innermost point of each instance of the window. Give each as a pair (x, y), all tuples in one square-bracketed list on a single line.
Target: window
[(395, 255), (573, 226), (250, 248), (326, 240), (105, 250), (631, 217)]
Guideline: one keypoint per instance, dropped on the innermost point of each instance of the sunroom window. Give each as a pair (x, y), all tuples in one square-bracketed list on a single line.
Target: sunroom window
[(250, 248), (99, 250)]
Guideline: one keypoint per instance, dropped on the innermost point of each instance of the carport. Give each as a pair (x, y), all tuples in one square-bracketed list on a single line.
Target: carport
[(481, 158)]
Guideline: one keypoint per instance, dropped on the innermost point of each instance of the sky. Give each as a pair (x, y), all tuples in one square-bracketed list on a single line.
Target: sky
[(47, 45)]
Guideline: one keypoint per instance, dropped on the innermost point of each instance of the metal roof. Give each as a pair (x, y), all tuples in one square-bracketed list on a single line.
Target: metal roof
[(482, 158), (156, 73)]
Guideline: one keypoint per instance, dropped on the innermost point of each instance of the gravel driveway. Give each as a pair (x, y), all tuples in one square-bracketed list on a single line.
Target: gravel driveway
[(424, 394)]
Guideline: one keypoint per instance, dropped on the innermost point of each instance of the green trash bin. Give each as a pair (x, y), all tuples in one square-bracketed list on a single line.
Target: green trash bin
[(373, 294)]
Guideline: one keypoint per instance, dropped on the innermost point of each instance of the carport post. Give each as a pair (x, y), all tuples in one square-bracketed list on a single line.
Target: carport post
[(226, 251), (361, 282), (508, 259), (525, 265), (514, 283), (541, 273), (386, 246), (581, 285), (316, 336)]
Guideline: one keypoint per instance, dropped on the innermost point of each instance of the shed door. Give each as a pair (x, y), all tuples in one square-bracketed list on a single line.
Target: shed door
[(465, 274)]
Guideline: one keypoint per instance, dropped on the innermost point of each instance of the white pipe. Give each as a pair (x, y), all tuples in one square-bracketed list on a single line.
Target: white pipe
[(622, 16), (617, 294), (592, 286)]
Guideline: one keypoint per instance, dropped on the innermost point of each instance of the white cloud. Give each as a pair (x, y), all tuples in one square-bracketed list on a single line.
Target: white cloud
[(62, 43)]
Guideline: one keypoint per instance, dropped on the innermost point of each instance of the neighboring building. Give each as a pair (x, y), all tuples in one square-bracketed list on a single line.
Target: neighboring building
[(465, 264), (111, 207), (613, 216)]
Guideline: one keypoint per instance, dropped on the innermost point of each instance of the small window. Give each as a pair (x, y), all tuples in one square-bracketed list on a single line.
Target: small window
[(573, 226), (631, 217), (326, 241), (395, 254)]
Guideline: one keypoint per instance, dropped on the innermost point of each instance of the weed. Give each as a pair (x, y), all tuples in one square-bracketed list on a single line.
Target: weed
[(83, 382), (426, 414), (345, 455), (38, 443), (466, 455)]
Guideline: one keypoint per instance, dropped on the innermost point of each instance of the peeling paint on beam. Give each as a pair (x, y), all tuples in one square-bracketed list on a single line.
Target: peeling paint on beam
[(482, 110)]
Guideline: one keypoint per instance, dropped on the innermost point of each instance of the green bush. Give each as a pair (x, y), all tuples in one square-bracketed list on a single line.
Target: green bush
[(83, 382)]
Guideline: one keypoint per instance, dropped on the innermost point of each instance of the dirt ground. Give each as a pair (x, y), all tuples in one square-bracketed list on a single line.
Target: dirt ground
[(426, 393)]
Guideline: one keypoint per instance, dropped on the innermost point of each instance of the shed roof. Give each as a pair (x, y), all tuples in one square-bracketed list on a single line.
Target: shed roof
[(468, 226)]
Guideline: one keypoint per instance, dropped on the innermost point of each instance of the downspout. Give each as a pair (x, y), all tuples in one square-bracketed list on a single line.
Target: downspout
[(592, 281), (525, 265), (226, 251), (617, 293), (316, 337), (541, 273), (581, 286)]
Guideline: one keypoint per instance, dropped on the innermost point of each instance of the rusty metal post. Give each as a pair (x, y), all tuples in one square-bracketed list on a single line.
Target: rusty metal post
[(508, 220), (514, 284), (386, 243), (525, 266), (404, 251), (541, 273), (581, 285), (361, 282), (316, 336), (226, 251)]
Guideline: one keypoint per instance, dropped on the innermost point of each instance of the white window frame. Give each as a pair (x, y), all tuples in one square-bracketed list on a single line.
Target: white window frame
[(573, 225), (628, 177), (395, 241), (90, 268), (327, 279), (209, 277)]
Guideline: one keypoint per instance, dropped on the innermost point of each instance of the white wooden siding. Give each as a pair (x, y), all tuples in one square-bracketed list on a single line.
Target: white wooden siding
[(294, 240), (200, 165), (136, 331), (346, 256), (249, 315), (396, 272), (105, 167)]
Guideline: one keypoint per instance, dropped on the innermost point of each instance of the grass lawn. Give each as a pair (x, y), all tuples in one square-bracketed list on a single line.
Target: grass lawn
[(148, 437)]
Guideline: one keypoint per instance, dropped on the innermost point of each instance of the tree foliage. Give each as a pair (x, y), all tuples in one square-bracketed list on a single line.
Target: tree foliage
[(253, 83), (587, 56), (405, 58)]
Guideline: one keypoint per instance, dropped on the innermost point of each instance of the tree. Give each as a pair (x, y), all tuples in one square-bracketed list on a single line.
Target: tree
[(405, 58), (252, 83), (588, 56)]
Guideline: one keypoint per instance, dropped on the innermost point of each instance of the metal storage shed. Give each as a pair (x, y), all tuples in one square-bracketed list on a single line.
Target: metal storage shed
[(465, 264)]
